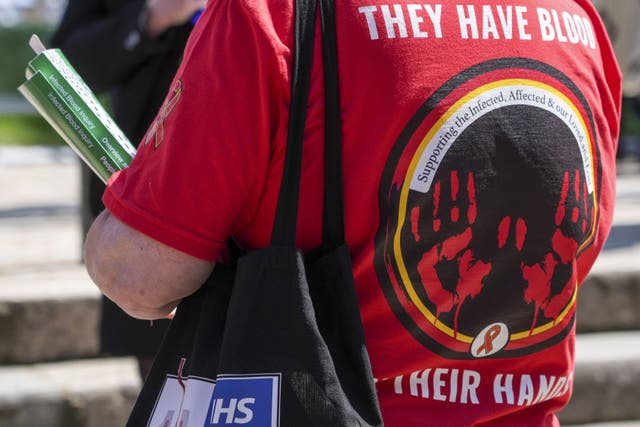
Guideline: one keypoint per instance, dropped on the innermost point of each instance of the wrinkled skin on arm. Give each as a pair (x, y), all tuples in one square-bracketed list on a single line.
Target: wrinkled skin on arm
[(146, 278)]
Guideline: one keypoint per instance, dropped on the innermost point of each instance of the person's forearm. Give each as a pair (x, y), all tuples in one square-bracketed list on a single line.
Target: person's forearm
[(109, 264), (144, 277)]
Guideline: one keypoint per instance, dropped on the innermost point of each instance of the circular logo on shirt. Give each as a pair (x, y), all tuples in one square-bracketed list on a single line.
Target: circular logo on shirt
[(487, 199)]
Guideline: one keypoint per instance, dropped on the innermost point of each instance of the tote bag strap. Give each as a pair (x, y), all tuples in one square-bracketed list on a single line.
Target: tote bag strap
[(333, 213), (287, 209), (284, 227)]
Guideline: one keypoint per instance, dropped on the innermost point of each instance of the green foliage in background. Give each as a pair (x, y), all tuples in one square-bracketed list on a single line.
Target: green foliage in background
[(18, 128), (15, 53), (27, 129)]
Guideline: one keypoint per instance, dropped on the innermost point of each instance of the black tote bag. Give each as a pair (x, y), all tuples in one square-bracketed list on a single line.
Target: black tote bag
[(276, 339)]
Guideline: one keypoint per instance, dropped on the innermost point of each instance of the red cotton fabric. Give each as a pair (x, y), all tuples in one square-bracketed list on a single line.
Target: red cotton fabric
[(479, 157)]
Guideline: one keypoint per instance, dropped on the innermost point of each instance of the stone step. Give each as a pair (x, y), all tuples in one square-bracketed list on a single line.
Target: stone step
[(38, 176), (34, 241), (100, 392), (609, 298), (39, 207), (83, 393), (51, 312), (607, 378), (48, 314)]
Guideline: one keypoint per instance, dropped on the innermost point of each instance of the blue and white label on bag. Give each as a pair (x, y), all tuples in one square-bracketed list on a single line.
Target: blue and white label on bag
[(182, 402), (249, 400)]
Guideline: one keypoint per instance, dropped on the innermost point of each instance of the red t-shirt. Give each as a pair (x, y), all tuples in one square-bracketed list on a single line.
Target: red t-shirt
[(479, 150)]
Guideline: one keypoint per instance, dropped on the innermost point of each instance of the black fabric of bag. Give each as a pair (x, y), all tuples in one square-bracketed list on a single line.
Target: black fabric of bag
[(281, 323)]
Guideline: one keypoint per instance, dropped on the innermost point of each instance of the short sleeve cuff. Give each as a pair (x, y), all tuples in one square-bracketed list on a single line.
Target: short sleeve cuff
[(153, 227)]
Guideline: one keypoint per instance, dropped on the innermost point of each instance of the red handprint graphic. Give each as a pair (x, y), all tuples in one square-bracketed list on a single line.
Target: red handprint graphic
[(539, 275), (454, 249), (481, 229)]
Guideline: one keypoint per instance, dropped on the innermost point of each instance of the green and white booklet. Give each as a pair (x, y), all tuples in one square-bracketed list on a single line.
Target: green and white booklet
[(60, 95)]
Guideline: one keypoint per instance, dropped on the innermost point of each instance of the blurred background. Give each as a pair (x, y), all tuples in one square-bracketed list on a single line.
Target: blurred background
[(18, 20), (51, 372)]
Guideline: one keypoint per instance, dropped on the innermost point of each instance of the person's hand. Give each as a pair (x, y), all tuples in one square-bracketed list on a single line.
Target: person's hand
[(164, 14)]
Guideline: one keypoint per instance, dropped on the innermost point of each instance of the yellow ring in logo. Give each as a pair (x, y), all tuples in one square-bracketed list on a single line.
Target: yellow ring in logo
[(579, 129)]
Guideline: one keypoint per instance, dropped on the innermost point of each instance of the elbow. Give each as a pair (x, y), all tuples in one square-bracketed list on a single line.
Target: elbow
[(114, 275), (141, 276), (133, 299), (130, 295)]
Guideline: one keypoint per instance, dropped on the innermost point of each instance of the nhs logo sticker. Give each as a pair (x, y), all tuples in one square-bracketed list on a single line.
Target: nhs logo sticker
[(249, 400)]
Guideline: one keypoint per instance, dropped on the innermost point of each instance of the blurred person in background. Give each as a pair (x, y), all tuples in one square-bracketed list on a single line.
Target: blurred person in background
[(622, 20), (131, 50)]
